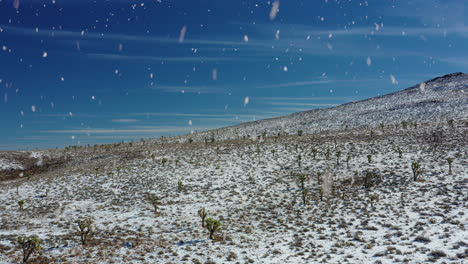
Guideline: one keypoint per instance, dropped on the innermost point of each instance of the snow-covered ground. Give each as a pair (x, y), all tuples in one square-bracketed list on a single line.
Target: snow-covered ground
[(248, 186), (247, 178)]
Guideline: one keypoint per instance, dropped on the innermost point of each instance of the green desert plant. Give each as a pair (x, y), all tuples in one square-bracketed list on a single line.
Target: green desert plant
[(348, 158), (327, 153), (319, 177), (180, 186), (338, 155), (21, 204), (417, 170), (400, 152), (96, 170), (154, 200), (301, 179), (451, 123), (84, 229), (163, 161), (373, 198), (369, 158), (29, 245), (450, 161), (202, 213), (212, 226), (300, 132), (299, 158), (314, 153)]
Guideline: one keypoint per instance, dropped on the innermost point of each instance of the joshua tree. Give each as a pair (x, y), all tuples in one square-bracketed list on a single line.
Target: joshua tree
[(299, 158), (348, 158), (369, 158), (404, 124), (202, 213), (273, 152), (212, 226), (29, 245), (338, 155), (321, 193), (450, 161), (400, 152), (314, 153), (21, 204), (451, 123), (417, 170), (154, 200), (84, 229), (300, 132), (373, 198), (327, 153), (163, 161), (180, 185), (118, 171), (96, 170), (301, 179), (319, 177)]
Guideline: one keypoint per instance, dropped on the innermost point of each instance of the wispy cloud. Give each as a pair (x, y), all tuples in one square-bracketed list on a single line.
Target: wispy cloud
[(152, 59), (135, 130), (124, 120)]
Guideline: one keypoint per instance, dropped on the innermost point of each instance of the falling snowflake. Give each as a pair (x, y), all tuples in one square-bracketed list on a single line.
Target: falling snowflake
[(44, 54), (33, 108), (246, 100), (190, 122), (277, 34), (369, 61), (182, 34), (93, 97), (285, 68), (16, 4), (214, 74), (422, 87), (246, 38), (393, 79), (274, 9)]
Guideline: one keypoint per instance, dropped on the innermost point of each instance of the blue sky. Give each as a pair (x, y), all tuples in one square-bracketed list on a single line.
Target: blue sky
[(87, 72)]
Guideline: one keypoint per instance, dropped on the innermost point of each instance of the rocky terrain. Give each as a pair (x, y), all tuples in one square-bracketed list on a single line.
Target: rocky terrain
[(377, 181)]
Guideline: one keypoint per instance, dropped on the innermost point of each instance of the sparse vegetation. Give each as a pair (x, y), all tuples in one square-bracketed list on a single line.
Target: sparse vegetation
[(84, 229), (212, 226), (29, 246)]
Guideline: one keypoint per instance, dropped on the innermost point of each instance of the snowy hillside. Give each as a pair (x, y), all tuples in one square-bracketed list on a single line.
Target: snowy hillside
[(390, 188), (442, 98)]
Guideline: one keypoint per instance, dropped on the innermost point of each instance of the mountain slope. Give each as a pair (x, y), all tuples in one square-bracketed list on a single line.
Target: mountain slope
[(441, 98)]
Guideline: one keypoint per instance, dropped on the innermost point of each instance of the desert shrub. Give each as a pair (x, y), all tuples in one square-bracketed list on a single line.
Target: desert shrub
[(212, 226), (163, 161), (300, 132), (84, 229), (29, 245), (369, 158)]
